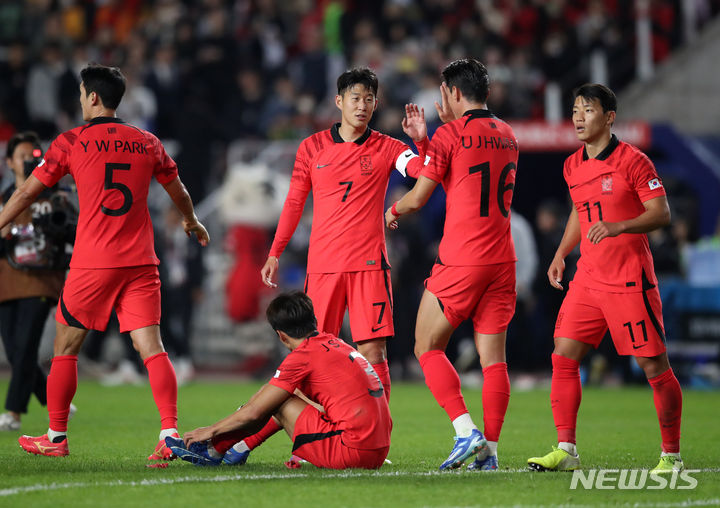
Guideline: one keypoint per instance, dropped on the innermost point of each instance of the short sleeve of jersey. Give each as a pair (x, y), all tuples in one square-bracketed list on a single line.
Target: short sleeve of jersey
[(644, 178), (400, 154), (439, 155), (291, 372), (55, 163), (166, 169)]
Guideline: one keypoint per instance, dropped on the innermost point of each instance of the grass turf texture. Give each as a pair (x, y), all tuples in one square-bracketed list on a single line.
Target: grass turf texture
[(116, 428)]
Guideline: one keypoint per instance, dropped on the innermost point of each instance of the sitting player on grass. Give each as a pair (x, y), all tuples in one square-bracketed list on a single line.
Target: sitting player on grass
[(354, 429)]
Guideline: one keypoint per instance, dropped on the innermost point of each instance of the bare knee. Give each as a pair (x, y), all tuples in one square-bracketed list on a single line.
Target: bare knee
[(68, 340), (490, 348), (653, 366), (374, 351), (569, 348), (147, 341)]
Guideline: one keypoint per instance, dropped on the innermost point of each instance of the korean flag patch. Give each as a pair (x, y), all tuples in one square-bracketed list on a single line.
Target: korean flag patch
[(654, 183)]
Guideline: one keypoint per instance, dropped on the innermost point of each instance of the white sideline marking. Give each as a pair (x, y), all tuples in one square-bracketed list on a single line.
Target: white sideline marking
[(344, 474)]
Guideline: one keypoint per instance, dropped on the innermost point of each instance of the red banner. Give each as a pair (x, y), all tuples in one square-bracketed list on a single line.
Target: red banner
[(561, 137)]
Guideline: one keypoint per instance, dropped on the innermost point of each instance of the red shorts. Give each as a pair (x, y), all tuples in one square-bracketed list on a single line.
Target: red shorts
[(634, 319), (484, 293), (366, 295), (90, 295), (319, 441)]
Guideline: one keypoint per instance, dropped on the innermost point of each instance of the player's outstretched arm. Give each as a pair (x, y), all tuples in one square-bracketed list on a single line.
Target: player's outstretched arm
[(410, 202), (250, 417), (180, 196), (656, 215), (268, 271), (570, 239), (23, 197)]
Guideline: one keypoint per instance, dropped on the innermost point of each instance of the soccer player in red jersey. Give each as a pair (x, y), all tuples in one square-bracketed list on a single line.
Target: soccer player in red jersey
[(353, 427), (347, 168), (113, 264), (474, 155), (617, 198)]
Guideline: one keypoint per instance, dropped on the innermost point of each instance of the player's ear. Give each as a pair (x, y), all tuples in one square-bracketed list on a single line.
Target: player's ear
[(610, 118), (455, 93), (338, 101)]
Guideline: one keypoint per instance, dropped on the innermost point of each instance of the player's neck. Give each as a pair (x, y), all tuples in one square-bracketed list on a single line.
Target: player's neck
[(596, 146), (350, 133), (462, 106), (102, 113)]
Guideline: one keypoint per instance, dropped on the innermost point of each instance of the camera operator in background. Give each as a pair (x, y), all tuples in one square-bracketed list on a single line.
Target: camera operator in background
[(34, 255)]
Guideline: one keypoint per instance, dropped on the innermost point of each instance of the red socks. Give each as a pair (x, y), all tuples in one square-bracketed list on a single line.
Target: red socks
[(224, 442), (565, 396), (61, 386), (163, 384), (495, 397), (668, 404), (444, 383), (270, 428), (383, 372)]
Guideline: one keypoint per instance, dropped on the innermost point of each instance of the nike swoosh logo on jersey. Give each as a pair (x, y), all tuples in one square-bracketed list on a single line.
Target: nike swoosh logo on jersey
[(408, 155), (378, 328), (638, 347), (320, 166)]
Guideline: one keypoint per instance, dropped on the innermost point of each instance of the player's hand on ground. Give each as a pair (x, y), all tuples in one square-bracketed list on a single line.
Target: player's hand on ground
[(391, 219), (601, 230), (555, 272), (443, 109), (268, 271), (414, 122), (195, 226), (197, 435)]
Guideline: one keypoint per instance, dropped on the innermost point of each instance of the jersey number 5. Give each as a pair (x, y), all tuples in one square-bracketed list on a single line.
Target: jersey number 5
[(484, 170), (110, 184)]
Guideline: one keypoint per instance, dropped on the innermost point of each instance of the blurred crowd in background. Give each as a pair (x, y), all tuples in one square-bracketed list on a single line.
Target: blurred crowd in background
[(211, 71), (205, 73)]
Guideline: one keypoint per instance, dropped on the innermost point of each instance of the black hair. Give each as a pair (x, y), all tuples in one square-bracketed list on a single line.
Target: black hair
[(292, 313), (469, 76), (21, 137), (592, 91), (357, 76), (107, 82)]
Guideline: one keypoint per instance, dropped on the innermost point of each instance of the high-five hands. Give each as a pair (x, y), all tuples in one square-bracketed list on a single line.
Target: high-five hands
[(443, 109), (414, 122)]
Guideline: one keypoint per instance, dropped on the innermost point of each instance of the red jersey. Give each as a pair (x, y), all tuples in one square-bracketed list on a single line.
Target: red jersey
[(333, 374), (348, 181), (612, 187), (475, 158), (112, 164)]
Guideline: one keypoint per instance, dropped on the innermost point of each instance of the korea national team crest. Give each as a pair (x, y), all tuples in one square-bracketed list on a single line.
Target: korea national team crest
[(365, 165), (607, 184), (654, 183)]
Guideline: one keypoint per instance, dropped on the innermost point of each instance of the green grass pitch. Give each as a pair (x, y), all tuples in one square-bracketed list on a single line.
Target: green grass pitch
[(116, 428)]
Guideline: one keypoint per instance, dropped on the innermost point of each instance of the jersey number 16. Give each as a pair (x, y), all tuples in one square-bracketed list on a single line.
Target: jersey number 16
[(484, 170)]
